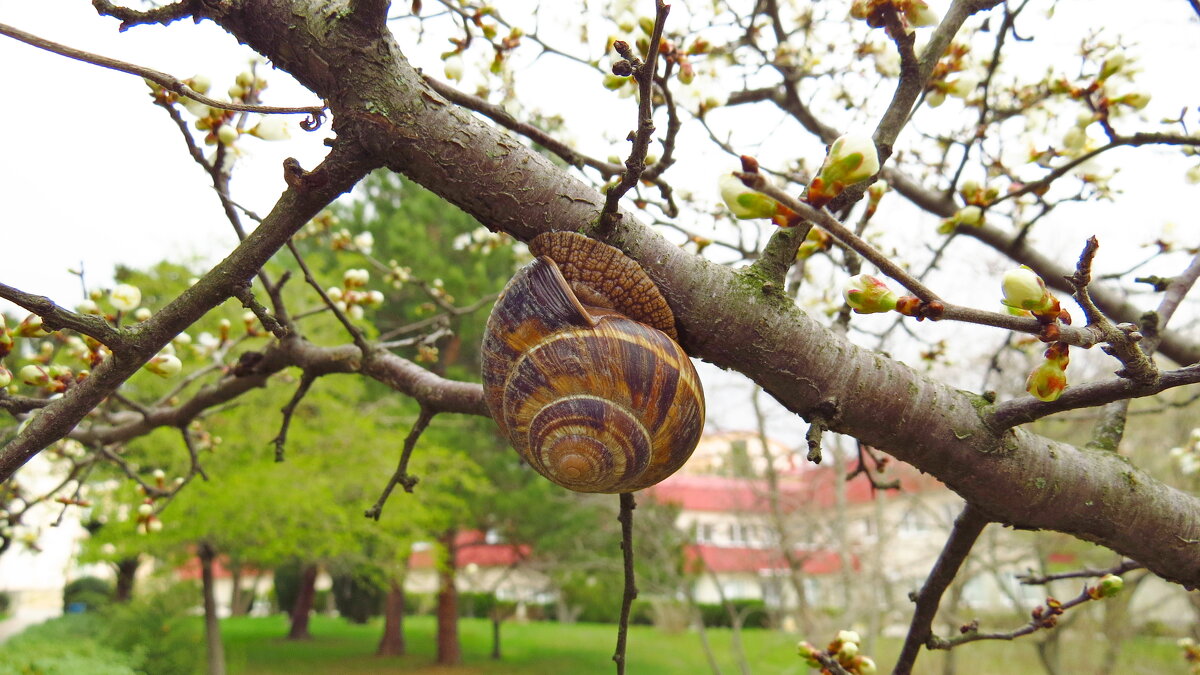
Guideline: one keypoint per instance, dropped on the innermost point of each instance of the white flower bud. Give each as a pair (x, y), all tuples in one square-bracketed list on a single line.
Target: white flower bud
[(364, 242), (227, 134), (145, 509), (141, 314), (453, 67), (125, 297), (164, 365), (271, 128)]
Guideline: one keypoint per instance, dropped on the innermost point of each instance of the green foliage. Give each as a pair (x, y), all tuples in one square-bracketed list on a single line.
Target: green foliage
[(287, 585), (5, 602), (156, 630), (150, 636), (86, 594), (359, 593), (717, 615)]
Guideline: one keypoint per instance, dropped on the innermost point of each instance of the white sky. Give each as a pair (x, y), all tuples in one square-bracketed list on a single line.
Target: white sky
[(92, 173)]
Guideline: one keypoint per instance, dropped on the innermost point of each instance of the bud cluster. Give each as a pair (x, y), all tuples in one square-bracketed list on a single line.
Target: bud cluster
[(354, 297), (843, 650)]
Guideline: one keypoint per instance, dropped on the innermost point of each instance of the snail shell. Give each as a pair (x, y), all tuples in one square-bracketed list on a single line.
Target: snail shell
[(582, 374)]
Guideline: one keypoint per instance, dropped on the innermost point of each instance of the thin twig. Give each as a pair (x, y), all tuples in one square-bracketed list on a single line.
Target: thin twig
[(355, 333), (636, 163), (280, 440), (628, 504), (1118, 569), (401, 476), (316, 113)]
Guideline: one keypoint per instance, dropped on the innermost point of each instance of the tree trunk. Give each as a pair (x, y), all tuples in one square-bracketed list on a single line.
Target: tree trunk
[(392, 642), (497, 619), (212, 628), (449, 652), (304, 603), (237, 601), (126, 571)]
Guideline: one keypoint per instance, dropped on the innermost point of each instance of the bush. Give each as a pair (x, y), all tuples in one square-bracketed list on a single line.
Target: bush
[(358, 593), (86, 594), (67, 645), (717, 616), (476, 605), (157, 631), (5, 602), (287, 585), (419, 603)]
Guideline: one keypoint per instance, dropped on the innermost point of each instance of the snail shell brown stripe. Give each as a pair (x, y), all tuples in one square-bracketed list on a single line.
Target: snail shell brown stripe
[(593, 399)]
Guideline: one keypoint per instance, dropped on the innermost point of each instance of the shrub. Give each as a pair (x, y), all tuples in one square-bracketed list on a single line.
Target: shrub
[(476, 605), (358, 594), (67, 645), (5, 602), (157, 631), (86, 594), (287, 585), (717, 616)]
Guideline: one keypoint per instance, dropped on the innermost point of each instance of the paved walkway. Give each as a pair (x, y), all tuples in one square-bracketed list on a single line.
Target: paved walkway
[(20, 620)]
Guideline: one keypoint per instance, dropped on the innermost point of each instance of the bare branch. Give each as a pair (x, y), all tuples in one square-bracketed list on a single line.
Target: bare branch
[(316, 114), (967, 528), (288, 410), (401, 475), (628, 504)]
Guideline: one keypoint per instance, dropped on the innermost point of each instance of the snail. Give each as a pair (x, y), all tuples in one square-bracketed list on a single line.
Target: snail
[(582, 372)]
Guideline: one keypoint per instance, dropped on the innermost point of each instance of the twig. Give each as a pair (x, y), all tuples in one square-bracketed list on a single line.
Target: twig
[(316, 114), (1122, 343), (246, 296), (636, 163), (280, 440), (967, 528), (1118, 569), (1043, 617), (132, 17), (628, 504), (401, 476), (55, 317), (864, 453), (193, 454), (355, 333)]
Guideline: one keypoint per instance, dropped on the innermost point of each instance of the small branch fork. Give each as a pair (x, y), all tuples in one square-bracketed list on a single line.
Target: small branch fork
[(628, 504), (643, 73), (280, 440), (401, 476), (865, 456), (967, 528), (1121, 340), (316, 114)]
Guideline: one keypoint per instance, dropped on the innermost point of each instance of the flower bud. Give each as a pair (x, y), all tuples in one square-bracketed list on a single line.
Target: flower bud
[(962, 86), (1136, 100), (88, 307), (453, 67), (918, 13), (849, 636), (271, 128), (851, 159), (743, 202), (141, 314), (1109, 585), (164, 365), (364, 242), (145, 509), (869, 295), (31, 327), (1112, 65), (200, 84), (227, 134), (808, 653), (847, 651), (969, 215), (1047, 381), (5, 377), (865, 666), (1024, 289), (154, 525), (355, 312), (125, 297), (34, 375)]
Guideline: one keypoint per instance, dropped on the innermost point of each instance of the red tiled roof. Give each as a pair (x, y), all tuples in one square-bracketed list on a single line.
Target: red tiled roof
[(811, 487), (472, 547), (702, 557)]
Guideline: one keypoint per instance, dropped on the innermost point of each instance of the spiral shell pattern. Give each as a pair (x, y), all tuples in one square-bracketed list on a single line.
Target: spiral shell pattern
[(593, 400)]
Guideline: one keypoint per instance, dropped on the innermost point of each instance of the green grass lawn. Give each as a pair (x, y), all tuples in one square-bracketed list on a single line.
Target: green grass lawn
[(255, 647)]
